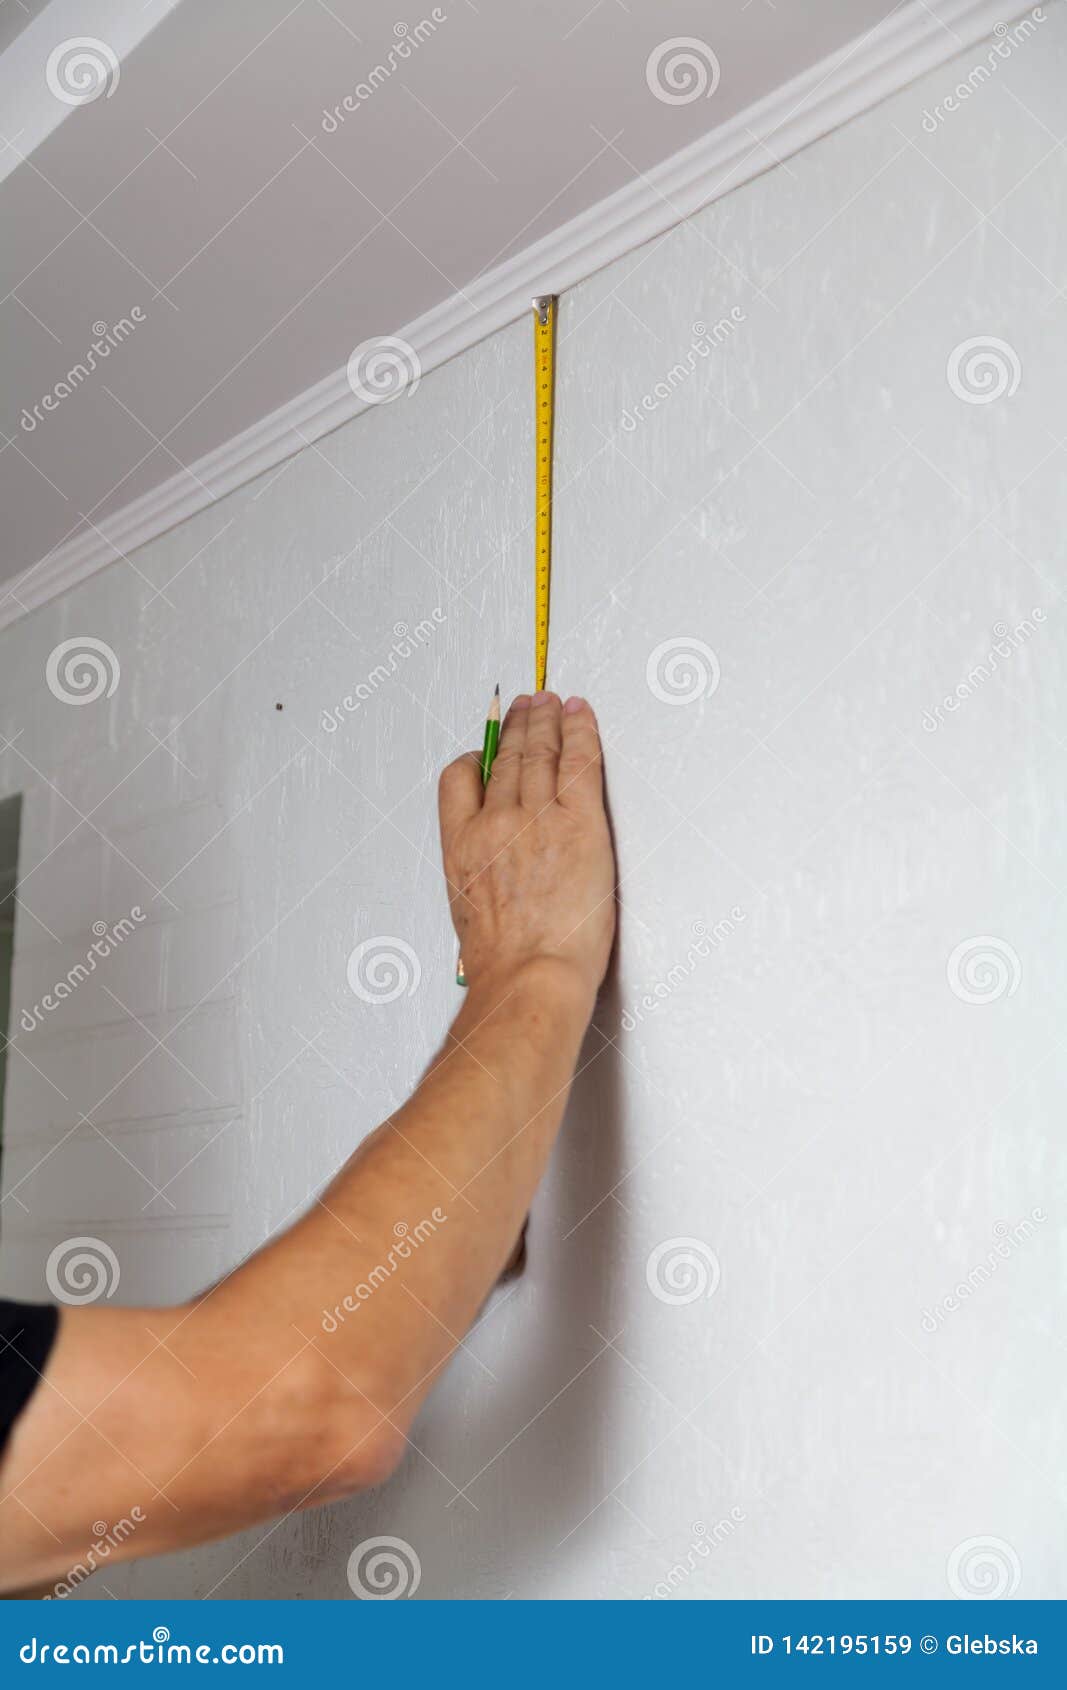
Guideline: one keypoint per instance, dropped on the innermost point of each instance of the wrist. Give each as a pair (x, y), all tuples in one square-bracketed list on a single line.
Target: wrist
[(548, 985)]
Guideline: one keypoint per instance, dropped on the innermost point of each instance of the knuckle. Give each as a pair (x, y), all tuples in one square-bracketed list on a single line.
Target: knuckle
[(453, 771)]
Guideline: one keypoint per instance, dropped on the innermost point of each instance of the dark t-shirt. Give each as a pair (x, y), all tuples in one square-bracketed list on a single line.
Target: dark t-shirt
[(27, 1333)]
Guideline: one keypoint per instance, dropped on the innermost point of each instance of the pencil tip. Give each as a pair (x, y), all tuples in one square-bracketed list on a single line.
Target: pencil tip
[(497, 691)]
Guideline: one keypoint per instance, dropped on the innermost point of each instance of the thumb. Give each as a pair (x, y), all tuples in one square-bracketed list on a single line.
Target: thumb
[(459, 795)]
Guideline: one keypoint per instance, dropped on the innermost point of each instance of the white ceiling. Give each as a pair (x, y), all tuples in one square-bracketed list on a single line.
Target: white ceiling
[(260, 248)]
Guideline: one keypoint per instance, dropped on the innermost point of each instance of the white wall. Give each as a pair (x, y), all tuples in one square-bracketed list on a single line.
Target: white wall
[(811, 1101)]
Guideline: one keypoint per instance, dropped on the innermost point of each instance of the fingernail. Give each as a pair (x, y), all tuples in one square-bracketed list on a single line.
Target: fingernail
[(573, 705), (544, 698), (522, 702)]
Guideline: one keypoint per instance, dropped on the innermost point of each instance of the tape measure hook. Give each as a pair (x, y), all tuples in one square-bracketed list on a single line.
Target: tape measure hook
[(542, 304)]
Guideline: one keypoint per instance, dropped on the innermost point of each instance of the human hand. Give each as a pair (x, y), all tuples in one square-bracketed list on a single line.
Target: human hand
[(528, 859)]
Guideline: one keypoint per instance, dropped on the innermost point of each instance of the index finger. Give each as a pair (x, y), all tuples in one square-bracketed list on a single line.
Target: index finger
[(503, 787), (581, 759)]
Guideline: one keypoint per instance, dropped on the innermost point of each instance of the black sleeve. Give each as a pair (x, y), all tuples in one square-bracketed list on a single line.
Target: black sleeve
[(27, 1333)]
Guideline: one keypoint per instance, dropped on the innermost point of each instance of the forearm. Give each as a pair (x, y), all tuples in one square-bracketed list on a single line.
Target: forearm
[(296, 1378), (391, 1265), (272, 1390)]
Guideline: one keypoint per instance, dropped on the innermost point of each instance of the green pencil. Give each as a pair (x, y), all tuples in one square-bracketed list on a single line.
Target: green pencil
[(492, 736), (489, 745)]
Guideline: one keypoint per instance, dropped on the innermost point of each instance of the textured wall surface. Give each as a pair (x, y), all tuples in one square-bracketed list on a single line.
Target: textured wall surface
[(789, 1326)]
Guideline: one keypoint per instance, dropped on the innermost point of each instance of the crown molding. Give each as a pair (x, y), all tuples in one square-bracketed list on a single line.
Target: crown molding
[(905, 46)]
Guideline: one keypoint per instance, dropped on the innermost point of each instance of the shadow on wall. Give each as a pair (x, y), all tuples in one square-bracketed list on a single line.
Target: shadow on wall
[(540, 1426), (578, 1290)]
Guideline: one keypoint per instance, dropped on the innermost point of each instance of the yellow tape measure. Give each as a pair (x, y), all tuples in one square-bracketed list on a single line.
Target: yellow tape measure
[(544, 308)]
